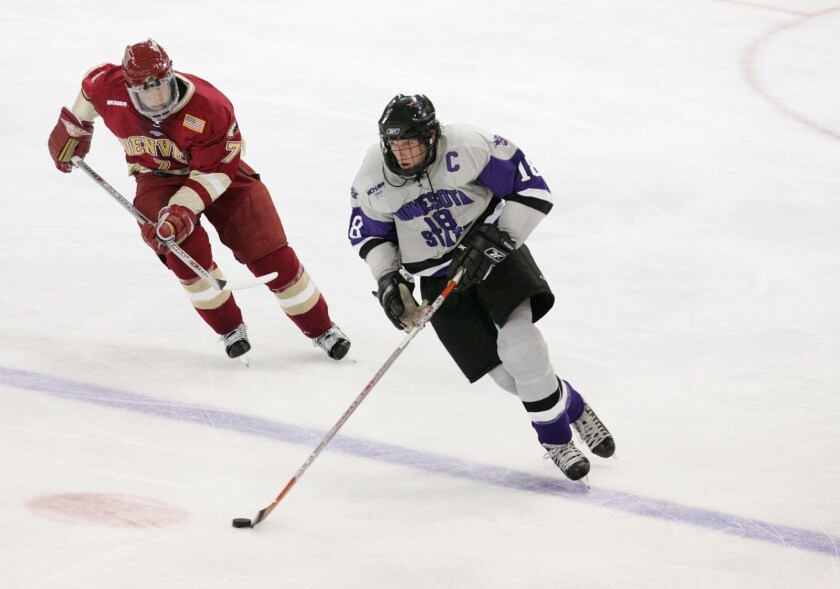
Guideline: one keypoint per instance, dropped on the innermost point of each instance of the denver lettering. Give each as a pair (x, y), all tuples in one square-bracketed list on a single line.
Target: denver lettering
[(164, 148)]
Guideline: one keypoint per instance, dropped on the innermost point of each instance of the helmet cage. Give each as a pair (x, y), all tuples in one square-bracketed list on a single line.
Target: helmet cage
[(155, 87), (409, 117)]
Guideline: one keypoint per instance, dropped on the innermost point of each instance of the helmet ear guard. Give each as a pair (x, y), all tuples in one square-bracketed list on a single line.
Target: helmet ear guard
[(409, 117)]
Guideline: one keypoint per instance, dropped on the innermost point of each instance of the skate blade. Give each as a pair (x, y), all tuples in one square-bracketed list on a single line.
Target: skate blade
[(244, 359)]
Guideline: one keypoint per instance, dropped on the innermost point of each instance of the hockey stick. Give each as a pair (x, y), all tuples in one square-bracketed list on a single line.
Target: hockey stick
[(264, 513), (217, 283)]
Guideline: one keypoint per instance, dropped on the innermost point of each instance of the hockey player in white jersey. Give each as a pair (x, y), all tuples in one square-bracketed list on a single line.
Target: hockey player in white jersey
[(430, 199)]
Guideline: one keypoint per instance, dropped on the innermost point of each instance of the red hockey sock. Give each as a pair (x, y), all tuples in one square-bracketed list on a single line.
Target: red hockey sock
[(218, 308), (295, 290)]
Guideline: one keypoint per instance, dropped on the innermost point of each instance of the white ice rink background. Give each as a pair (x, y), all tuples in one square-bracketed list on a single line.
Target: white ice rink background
[(694, 249)]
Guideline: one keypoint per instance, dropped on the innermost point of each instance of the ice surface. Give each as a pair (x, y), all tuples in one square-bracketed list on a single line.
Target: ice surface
[(694, 249)]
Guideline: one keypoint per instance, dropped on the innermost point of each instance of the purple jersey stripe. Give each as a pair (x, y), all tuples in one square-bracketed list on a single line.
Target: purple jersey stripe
[(505, 177)]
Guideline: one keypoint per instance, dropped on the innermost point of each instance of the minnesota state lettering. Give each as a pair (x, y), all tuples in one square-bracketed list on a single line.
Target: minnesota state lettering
[(434, 208), (164, 148)]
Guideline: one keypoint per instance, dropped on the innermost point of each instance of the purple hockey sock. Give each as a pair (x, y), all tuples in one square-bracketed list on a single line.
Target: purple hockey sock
[(557, 432)]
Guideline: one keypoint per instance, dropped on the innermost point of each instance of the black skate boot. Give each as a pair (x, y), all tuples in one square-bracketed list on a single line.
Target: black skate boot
[(333, 342), (594, 433), (236, 342), (569, 459)]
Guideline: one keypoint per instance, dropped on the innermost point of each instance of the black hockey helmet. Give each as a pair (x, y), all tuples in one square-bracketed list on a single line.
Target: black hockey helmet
[(407, 117)]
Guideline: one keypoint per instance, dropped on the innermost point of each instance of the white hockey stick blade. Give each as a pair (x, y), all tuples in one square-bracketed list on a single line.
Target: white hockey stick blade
[(245, 282), (217, 283)]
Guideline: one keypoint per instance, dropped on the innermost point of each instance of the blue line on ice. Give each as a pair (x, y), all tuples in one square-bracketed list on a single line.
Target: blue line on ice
[(436, 463)]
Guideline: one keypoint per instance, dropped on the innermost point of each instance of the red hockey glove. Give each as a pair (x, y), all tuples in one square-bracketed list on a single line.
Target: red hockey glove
[(149, 233), (70, 136), (175, 223)]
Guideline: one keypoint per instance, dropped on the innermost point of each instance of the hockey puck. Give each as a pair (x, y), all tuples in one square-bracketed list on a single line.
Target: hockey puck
[(241, 522)]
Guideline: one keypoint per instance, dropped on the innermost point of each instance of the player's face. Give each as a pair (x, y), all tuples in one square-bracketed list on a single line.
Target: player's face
[(155, 95), (410, 153), (155, 98)]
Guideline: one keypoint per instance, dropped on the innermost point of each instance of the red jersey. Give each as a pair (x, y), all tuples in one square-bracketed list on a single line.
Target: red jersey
[(200, 138)]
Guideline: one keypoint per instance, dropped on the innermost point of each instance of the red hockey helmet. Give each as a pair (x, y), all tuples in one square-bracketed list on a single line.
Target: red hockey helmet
[(150, 80), (143, 61)]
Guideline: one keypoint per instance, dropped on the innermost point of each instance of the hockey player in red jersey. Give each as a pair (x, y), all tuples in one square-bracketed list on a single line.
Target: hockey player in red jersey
[(184, 148)]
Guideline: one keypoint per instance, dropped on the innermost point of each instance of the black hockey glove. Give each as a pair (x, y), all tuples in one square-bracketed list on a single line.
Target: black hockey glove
[(396, 298), (479, 252)]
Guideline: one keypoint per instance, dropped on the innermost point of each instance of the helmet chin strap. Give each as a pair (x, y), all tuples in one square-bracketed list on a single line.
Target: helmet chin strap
[(431, 154)]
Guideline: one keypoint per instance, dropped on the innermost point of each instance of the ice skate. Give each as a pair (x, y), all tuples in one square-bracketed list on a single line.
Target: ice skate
[(594, 433), (568, 459), (333, 342), (237, 344)]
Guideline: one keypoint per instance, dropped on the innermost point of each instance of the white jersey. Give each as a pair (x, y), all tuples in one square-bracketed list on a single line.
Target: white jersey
[(477, 177)]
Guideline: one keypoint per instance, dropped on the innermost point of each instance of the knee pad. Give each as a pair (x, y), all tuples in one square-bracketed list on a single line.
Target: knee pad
[(503, 378), (284, 261), (524, 355)]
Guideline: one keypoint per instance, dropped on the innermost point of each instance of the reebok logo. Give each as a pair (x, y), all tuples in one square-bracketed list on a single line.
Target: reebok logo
[(116, 103), (494, 254)]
